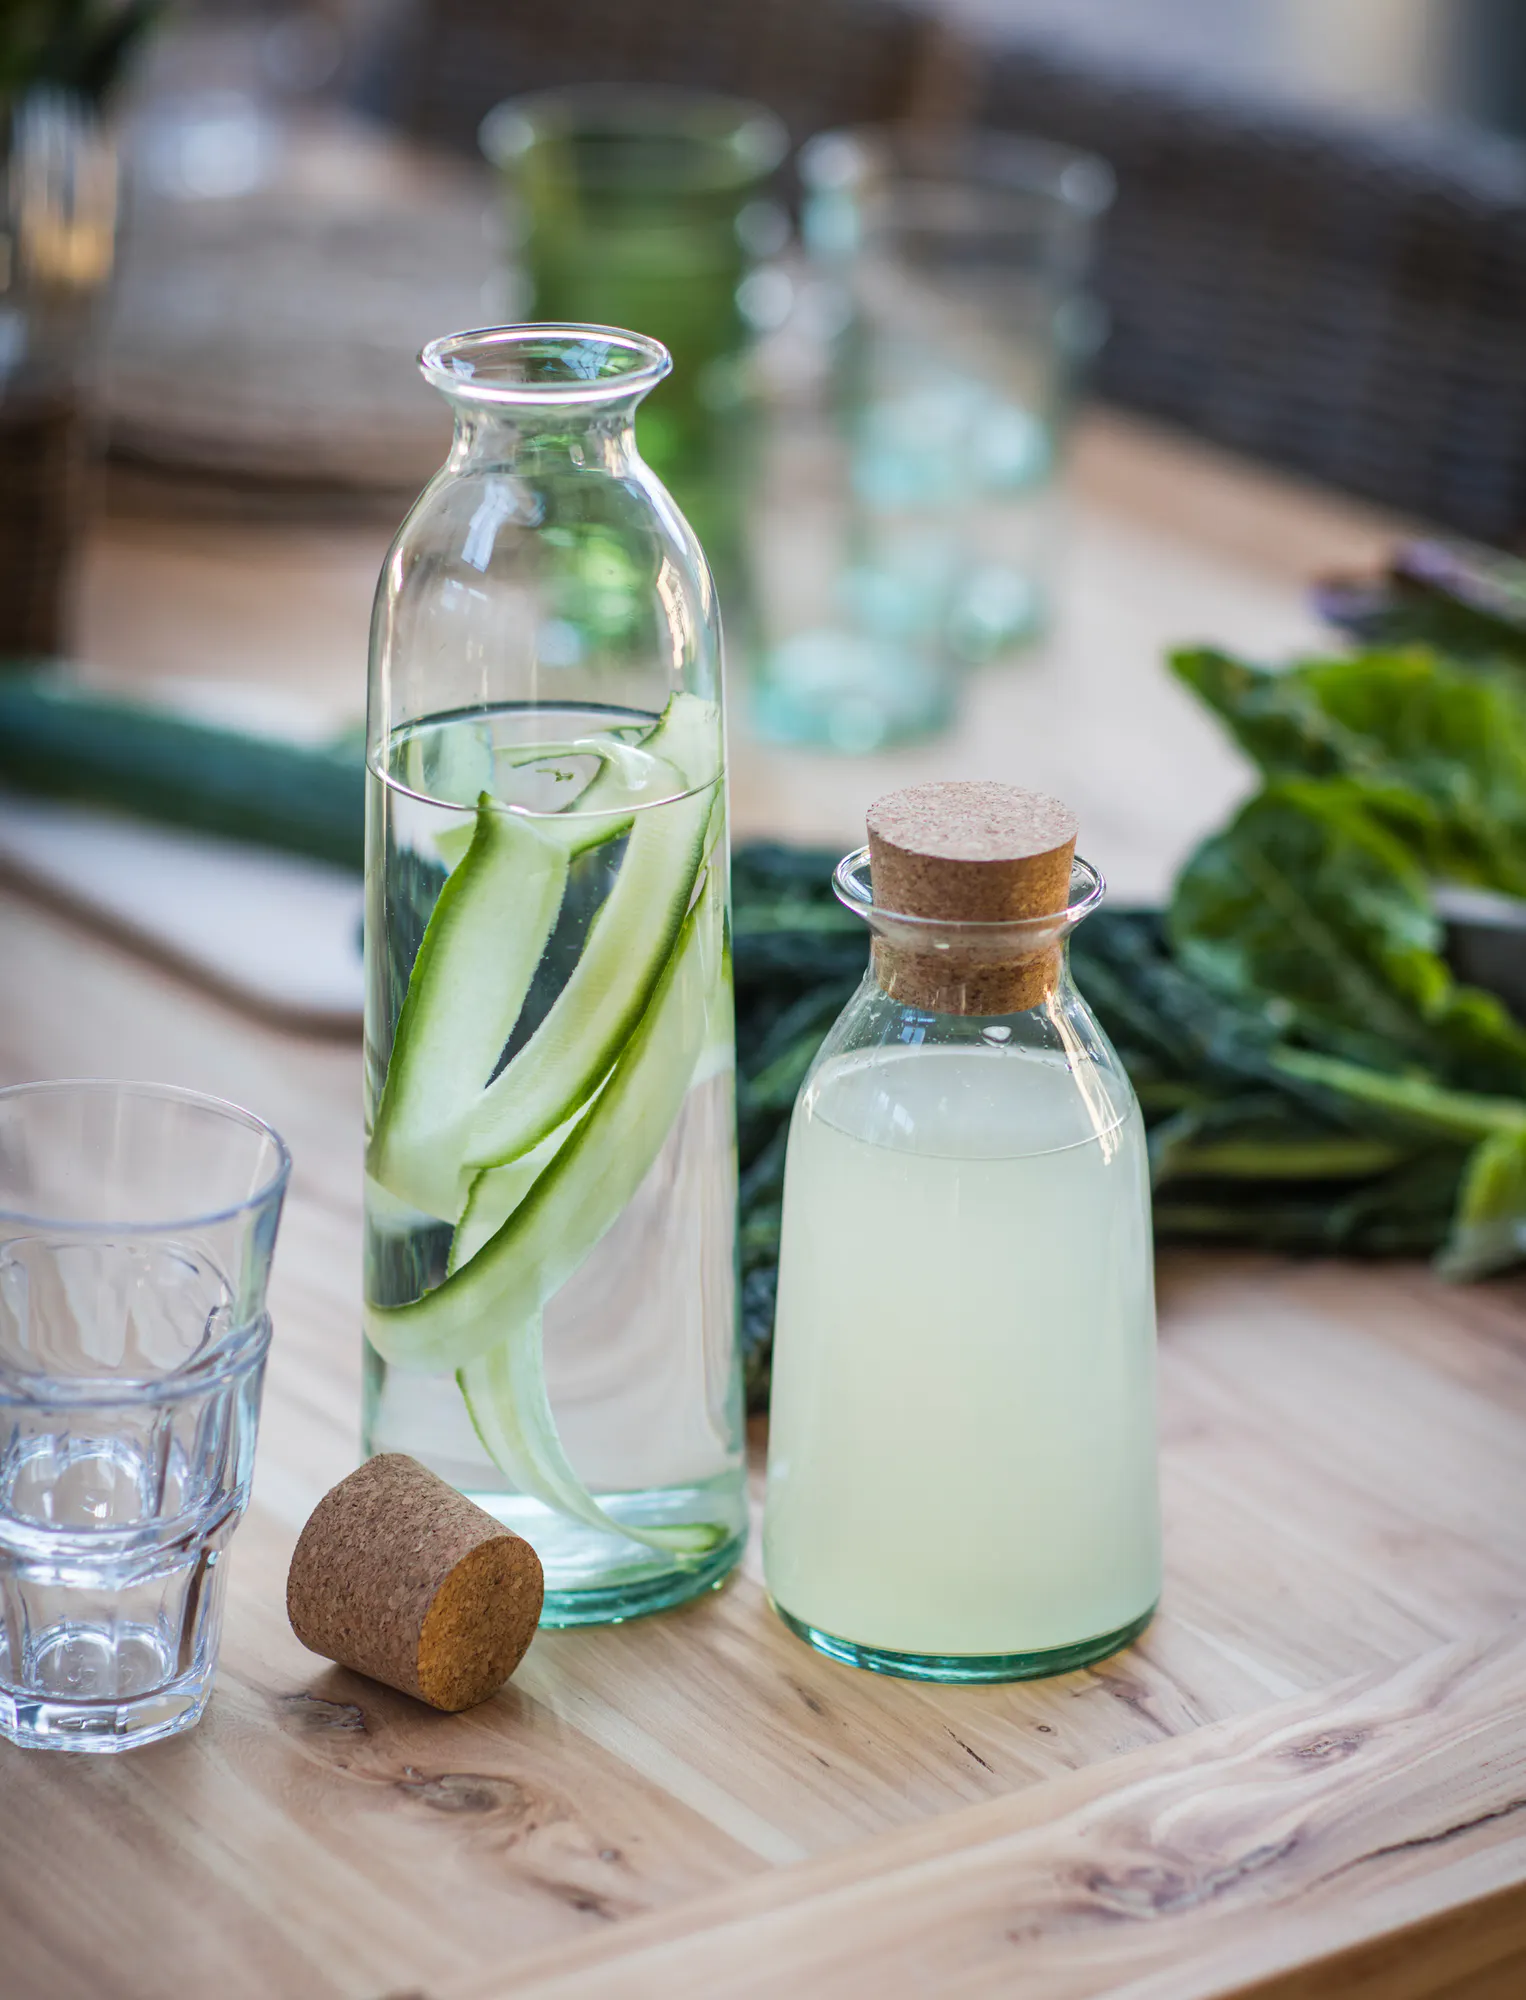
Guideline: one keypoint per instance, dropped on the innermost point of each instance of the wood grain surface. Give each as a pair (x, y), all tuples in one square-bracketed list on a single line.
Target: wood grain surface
[(1227, 1850), (1473, 1951), (1312, 1767), (1324, 1718)]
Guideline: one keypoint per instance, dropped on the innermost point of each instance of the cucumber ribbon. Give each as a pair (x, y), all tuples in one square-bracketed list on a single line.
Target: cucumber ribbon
[(534, 1166), (465, 993)]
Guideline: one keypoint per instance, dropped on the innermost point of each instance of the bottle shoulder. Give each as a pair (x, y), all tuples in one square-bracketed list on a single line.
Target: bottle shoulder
[(479, 511), (503, 586), (1041, 1081)]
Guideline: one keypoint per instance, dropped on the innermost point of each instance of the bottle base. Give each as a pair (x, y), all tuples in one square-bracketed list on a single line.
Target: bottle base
[(614, 1603), (968, 1669), (598, 1578)]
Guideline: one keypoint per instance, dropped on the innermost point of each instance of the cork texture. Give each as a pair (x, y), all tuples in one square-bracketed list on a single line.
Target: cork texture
[(398, 1576), (969, 853)]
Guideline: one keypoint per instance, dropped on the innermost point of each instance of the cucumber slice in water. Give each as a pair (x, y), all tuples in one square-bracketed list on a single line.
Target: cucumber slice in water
[(505, 1388), (505, 1395), (483, 942), (624, 777), (464, 995), (497, 1192), (630, 942), (628, 946), (582, 1191), (569, 1131)]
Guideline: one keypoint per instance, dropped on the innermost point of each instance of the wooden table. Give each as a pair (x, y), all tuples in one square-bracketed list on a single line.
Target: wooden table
[(1310, 1776)]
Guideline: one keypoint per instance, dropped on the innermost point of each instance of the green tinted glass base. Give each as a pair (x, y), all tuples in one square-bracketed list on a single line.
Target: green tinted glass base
[(968, 1668), (612, 1604)]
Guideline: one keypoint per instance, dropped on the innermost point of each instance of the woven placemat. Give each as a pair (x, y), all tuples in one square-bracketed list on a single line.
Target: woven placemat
[(271, 337)]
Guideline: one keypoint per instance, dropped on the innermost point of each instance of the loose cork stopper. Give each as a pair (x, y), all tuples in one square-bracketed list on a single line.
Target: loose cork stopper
[(976, 854), (399, 1576)]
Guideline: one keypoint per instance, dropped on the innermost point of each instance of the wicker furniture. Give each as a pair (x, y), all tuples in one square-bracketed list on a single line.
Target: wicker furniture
[(1342, 294)]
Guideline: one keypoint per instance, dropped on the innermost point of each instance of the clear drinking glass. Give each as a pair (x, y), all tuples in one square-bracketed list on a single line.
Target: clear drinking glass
[(551, 1167), (908, 517), (137, 1224), (962, 1439)]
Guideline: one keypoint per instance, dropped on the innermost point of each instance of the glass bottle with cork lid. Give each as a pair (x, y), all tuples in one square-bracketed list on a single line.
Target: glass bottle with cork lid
[(962, 1479)]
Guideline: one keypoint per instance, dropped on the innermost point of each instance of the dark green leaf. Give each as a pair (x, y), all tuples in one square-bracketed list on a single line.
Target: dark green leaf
[(1307, 908), (1464, 600), (1436, 750), (1489, 1228), (1263, 1137), (1413, 1104)]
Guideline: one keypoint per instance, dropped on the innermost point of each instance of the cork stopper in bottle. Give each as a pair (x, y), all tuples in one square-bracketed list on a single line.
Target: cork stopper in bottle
[(969, 853), (399, 1576)]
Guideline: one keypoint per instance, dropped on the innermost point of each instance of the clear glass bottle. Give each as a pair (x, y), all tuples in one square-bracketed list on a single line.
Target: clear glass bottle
[(962, 1449), (551, 1161)]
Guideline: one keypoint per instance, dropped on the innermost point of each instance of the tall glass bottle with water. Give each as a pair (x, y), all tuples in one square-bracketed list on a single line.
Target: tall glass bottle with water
[(550, 1164)]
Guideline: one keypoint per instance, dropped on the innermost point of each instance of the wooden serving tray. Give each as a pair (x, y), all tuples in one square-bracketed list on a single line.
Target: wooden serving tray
[(1309, 1778)]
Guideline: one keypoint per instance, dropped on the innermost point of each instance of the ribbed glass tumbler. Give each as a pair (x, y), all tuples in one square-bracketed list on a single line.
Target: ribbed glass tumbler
[(136, 1229)]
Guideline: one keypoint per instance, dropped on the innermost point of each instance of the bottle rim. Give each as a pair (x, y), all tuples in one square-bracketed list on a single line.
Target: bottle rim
[(540, 364)]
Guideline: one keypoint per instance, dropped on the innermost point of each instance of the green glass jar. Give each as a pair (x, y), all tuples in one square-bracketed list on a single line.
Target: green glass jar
[(646, 207)]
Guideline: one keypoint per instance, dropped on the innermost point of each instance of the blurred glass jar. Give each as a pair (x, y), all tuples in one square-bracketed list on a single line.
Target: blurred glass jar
[(650, 209), (919, 397), (58, 202)]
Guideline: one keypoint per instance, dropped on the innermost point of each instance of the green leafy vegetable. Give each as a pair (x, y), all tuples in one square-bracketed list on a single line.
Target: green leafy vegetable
[(1310, 906), (1385, 773), (1489, 1229), (1434, 749), (1461, 598)]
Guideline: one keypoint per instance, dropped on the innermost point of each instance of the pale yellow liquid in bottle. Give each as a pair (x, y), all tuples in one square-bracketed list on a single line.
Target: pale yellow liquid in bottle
[(962, 1452)]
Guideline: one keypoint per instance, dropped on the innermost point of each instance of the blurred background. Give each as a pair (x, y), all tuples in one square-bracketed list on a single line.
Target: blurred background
[(951, 286), (1315, 254)]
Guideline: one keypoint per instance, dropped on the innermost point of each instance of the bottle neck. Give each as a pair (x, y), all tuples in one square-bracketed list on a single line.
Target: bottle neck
[(523, 438), (952, 981), (966, 963)]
